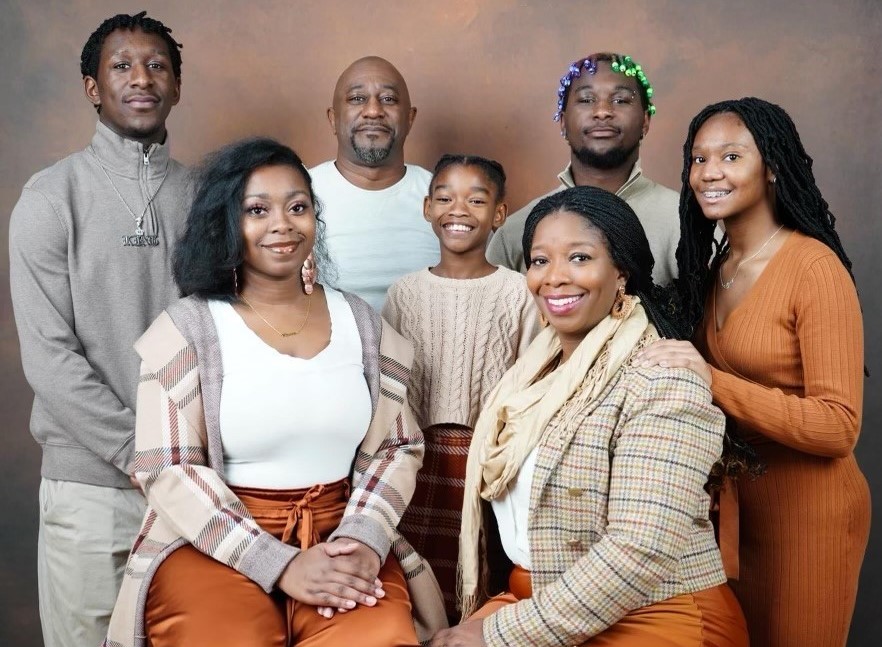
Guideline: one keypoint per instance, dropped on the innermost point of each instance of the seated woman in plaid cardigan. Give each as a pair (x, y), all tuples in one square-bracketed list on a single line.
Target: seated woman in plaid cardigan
[(594, 467), (273, 439)]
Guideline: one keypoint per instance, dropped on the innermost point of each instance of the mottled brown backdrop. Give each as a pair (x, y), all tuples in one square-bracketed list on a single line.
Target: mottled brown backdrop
[(483, 74)]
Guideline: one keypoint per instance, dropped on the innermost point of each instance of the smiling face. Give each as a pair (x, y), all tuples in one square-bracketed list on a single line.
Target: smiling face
[(603, 119), (135, 88), (463, 208), (728, 175), (278, 223), (572, 276), (371, 115)]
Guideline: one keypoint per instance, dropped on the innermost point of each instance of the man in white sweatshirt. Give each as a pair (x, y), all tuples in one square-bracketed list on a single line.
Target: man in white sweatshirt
[(372, 202)]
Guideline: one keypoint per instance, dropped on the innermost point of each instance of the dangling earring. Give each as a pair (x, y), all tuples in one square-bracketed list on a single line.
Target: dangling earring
[(623, 305), (235, 284), (308, 274), (773, 180), (543, 321)]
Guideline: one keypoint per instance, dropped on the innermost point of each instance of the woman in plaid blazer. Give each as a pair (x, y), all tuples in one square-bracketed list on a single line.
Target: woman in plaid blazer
[(594, 466), (220, 564)]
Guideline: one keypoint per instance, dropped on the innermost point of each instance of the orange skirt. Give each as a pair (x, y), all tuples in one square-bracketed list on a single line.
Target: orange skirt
[(196, 601), (709, 618)]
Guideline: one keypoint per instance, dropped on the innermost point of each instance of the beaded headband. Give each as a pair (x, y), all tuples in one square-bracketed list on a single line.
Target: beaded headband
[(624, 65)]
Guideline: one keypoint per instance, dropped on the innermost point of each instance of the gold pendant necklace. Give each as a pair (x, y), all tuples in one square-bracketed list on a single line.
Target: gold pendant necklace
[(276, 330), (728, 284)]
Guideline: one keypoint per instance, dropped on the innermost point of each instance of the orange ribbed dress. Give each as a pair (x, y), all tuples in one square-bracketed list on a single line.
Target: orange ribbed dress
[(788, 369)]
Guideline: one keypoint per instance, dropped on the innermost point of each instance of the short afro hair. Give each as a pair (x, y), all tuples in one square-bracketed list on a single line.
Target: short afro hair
[(91, 55)]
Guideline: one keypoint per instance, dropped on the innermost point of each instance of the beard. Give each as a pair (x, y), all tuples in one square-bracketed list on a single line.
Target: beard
[(607, 160), (373, 155)]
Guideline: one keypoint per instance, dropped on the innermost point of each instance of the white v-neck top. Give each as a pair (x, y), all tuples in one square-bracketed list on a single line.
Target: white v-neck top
[(288, 422)]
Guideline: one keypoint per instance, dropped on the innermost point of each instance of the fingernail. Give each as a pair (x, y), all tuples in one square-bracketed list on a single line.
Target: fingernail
[(370, 600), (350, 604)]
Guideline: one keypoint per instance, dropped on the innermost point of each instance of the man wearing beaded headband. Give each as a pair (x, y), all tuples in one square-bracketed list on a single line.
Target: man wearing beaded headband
[(604, 106), (90, 244)]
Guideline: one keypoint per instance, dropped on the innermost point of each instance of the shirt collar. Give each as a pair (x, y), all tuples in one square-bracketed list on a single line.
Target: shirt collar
[(566, 177), (125, 156)]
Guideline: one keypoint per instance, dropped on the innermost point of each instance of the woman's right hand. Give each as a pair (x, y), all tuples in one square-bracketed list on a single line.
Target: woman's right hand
[(312, 577)]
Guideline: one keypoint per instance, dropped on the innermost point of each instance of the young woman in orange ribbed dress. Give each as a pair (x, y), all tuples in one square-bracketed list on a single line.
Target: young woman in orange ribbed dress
[(779, 338)]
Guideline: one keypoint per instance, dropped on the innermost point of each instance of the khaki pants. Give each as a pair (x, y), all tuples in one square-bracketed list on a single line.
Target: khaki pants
[(86, 533)]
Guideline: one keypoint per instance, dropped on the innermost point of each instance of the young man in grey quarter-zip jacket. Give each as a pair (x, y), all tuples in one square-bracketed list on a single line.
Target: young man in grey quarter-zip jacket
[(90, 246)]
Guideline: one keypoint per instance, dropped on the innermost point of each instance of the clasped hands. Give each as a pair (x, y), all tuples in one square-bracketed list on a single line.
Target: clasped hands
[(334, 576)]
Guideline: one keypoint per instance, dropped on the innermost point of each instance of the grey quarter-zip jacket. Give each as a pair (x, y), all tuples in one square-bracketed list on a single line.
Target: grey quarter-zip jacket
[(86, 281)]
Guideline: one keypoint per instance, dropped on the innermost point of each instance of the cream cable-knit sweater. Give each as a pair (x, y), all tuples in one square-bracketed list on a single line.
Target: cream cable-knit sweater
[(466, 333)]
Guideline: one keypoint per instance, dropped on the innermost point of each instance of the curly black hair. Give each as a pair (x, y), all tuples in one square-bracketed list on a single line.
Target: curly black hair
[(212, 247)]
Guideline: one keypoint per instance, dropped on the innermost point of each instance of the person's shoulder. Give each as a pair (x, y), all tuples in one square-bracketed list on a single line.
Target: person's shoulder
[(665, 385), (514, 224), (167, 334), (324, 172), (56, 178), (510, 278), (178, 168), (807, 249), (808, 258), (418, 177), (321, 168), (417, 277), (659, 194)]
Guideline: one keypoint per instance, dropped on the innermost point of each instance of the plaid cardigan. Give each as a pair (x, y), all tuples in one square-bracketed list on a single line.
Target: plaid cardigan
[(179, 463), (618, 512)]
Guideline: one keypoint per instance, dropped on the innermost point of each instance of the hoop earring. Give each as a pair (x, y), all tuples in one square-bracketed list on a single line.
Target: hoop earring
[(623, 305), (308, 274), (235, 283)]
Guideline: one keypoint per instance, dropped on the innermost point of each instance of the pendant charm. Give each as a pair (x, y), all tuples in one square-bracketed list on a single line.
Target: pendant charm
[(141, 240)]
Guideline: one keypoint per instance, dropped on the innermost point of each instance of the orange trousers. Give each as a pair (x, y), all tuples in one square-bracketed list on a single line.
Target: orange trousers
[(196, 601), (709, 618)]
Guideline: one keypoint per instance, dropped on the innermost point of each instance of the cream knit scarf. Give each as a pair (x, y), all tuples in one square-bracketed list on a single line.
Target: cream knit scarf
[(517, 412)]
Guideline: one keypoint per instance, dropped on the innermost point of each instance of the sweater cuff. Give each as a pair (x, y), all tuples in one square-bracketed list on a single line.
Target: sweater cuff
[(124, 457), (370, 532), (721, 386), (266, 559)]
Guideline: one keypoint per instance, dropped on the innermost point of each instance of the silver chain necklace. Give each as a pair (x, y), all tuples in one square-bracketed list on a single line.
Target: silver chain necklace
[(140, 239), (728, 284)]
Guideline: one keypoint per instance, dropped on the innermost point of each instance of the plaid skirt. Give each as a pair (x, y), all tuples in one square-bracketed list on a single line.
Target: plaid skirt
[(432, 520)]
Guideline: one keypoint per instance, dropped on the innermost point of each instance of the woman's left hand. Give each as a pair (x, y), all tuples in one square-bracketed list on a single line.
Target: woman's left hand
[(468, 634), (671, 353), (360, 561)]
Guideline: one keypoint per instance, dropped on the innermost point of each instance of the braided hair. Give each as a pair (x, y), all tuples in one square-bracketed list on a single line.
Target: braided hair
[(491, 169), (626, 243), (798, 201), (91, 55)]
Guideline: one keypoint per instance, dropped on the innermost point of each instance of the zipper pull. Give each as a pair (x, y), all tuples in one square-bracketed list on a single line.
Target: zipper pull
[(146, 159)]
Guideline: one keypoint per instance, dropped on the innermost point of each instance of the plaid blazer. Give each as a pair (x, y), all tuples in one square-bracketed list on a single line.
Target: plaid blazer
[(179, 463), (618, 512)]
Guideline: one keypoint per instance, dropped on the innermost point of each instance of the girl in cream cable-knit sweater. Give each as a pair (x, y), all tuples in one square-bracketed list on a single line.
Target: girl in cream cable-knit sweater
[(468, 321)]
